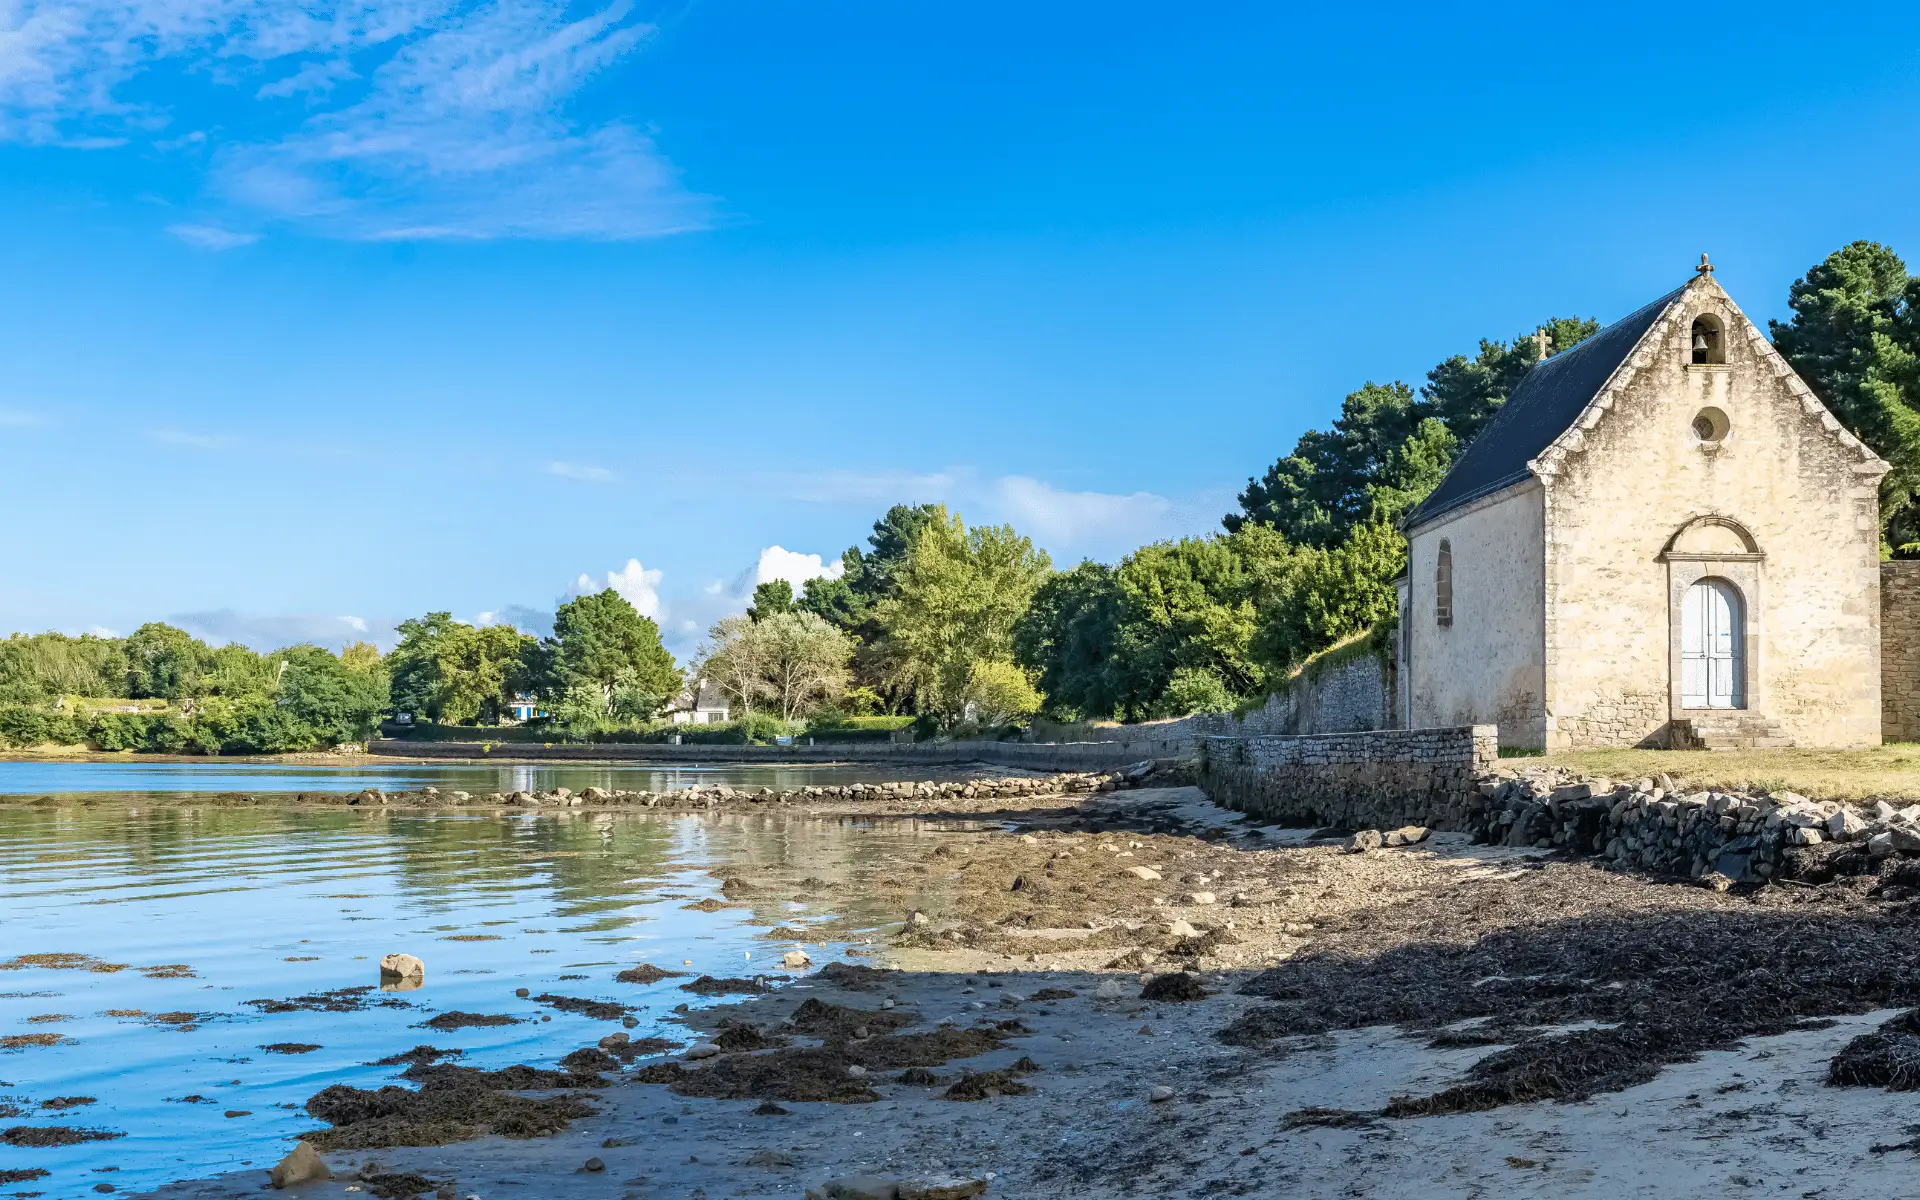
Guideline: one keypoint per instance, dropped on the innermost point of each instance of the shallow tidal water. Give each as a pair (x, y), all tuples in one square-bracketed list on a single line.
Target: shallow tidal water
[(174, 778), (176, 916)]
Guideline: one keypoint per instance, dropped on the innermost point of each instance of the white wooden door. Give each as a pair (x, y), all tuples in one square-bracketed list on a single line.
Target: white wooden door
[(1712, 646)]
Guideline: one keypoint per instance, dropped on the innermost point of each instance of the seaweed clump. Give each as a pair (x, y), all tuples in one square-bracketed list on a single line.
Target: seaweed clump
[(452, 1104)]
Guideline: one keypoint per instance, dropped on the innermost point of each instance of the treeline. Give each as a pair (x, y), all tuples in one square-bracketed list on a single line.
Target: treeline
[(970, 629), (189, 698)]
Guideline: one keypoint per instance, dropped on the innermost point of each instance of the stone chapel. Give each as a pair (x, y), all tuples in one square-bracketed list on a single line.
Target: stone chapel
[(1662, 539)]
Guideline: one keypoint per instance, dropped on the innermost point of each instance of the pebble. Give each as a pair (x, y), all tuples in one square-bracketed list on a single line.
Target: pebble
[(1200, 898), (1143, 872), (1160, 1094), (593, 1164), (703, 1050)]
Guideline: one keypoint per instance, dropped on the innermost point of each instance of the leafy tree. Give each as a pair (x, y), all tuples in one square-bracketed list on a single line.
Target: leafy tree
[(601, 640), (1332, 594), (165, 663), (772, 597), (1193, 690), (866, 579), (445, 670), (791, 660), (955, 601), (328, 701), (39, 668), (1066, 638), (1855, 339), (1001, 693)]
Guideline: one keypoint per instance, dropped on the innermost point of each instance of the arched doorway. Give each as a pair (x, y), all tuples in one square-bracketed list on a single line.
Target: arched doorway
[(1713, 646)]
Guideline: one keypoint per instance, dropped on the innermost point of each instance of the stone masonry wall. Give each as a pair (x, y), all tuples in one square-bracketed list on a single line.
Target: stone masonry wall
[(1373, 780), (1900, 651)]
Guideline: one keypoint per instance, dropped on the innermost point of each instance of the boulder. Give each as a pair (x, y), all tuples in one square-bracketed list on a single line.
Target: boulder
[(1200, 898), (1143, 873), (1363, 841), (856, 1187), (793, 960), (302, 1165), (402, 966), (1406, 835), (1845, 825), (942, 1187)]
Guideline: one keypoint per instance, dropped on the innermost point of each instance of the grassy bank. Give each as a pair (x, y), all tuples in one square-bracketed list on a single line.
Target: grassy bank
[(1890, 773)]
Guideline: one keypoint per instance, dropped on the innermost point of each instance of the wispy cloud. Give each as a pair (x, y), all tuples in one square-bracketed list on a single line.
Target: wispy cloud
[(222, 625), (409, 119), (585, 474), (212, 237), (192, 441), (15, 418)]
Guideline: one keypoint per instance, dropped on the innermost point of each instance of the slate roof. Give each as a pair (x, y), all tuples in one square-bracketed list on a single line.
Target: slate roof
[(1546, 403)]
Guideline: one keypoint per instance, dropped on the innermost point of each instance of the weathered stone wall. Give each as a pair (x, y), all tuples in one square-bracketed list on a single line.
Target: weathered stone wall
[(1486, 666), (1352, 780), (1631, 474), (1900, 651)]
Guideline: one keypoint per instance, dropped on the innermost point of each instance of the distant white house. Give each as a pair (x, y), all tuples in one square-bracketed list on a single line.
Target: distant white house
[(525, 707), (710, 708)]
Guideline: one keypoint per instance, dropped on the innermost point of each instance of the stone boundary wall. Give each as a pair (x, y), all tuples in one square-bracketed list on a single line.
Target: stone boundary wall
[(1358, 693), (1046, 756), (1900, 651), (1376, 780)]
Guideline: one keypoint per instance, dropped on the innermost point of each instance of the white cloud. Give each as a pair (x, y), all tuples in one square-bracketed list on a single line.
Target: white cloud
[(779, 563), (636, 583), (1052, 515), (192, 441), (406, 119), (567, 470), (212, 237)]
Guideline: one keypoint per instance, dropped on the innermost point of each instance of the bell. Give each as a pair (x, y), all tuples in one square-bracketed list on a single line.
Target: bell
[(1699, 342)]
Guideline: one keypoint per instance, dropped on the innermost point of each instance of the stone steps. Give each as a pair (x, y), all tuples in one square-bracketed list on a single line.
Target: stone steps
[(1733, 730)]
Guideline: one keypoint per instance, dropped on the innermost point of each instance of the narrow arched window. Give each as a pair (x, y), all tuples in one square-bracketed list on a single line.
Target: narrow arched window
[(1706, 342), (1443, 585)]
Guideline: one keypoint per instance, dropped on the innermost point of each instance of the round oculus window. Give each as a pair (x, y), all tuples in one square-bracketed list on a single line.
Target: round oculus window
[(1710, 425)]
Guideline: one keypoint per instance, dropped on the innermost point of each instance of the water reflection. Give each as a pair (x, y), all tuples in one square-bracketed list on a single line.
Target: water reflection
[(266, 904)]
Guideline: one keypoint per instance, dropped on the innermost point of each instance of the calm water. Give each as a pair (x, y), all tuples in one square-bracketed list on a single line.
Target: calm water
[(134, 777), (273, 904)]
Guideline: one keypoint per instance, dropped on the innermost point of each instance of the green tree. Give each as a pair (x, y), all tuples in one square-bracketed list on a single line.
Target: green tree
[(770, 598), (602, 641), (955, 601), (1463, 393), (328, 701), (866, 579), (39, 668), (1066, 639), (445, 670), (1330, 595), (790, 660), (1855, 339), (165, 663)]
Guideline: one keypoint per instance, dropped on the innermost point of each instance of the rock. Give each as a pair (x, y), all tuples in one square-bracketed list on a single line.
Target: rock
[(1200, 898), (1406, 835), (703, 1050), (1573, 791), (303, 1165), (1845, 825), (856, 1187), (917, 918), (1363, 841), (1880, 845), (523, 993), (1143, 873), (1112, 989), (1160, 1094), (1804, 835), (1714, 881), (593, 1165), (402, 966), (1182, 929), (369, 796), (857, 1071), (793, 960), (942, 1187)]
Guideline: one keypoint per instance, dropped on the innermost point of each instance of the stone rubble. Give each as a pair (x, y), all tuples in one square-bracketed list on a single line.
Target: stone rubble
[(723, 796), (1715, 837)]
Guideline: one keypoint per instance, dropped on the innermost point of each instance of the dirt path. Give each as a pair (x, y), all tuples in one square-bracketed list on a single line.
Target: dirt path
[(1575, 1032)]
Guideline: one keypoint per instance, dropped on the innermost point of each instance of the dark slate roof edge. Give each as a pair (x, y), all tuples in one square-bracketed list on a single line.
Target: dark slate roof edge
[(1417, 517), (1527, 396)]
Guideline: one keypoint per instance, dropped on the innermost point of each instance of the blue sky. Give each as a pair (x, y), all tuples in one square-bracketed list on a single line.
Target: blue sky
[(314, 317)]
